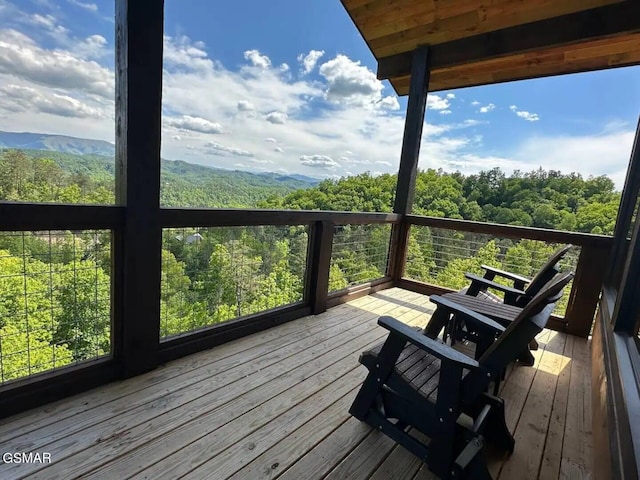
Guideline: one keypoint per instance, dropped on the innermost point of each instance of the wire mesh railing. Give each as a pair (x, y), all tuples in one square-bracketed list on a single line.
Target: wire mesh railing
[(55, 300), (360, 254), (442, 257), (211, 275)]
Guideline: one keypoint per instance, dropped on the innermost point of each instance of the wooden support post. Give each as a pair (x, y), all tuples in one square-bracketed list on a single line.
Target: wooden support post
[(318, 264), (137, 246), (405, 187), (585, 292)]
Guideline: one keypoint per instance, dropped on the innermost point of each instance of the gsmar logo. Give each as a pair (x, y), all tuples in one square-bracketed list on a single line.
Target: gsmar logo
[(31, 457)]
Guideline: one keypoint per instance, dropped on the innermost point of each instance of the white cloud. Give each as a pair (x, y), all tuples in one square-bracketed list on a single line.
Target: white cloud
[(257, 59), (487, 108), (451, 96), (278, 118), (87, 6), (309, 60), (284, 67), (217, 148), (177, 137), (348, 82), (475, 103), (528, 116), (445, 112), (21, 57), (384, 162), (271, 140), (245, 106), (389, 103), (26, 99), (319, 161), (195, 124), (436, 102), (278, 149)]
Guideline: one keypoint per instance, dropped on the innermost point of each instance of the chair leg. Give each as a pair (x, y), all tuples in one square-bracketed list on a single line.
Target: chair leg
[(526, 358), (496, 430)]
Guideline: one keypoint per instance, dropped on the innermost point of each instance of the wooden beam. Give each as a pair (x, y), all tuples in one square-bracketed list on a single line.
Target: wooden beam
[(625, 213), (407, 171), (39, 389), (209, 337), (28, 216), (585, 292), (318, 264), (597, 23), (227, 217), (512, 231), (357, 291), (137, 266)]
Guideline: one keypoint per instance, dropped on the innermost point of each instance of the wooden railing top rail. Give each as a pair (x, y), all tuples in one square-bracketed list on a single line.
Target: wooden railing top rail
[(193, 217), (512, 231), (33, 216)]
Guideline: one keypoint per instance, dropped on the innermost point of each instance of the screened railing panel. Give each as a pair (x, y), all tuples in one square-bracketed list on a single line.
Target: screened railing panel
[(55, 300), (360, 254), (211, 275)]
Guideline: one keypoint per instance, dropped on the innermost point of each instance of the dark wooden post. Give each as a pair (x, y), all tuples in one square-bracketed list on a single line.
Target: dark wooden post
[(585, 292), (318, 264), (405, 187), (137, 247)]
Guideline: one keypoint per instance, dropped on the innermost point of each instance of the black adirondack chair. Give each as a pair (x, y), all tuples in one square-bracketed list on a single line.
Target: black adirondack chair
[(416, 382), (524, 289)]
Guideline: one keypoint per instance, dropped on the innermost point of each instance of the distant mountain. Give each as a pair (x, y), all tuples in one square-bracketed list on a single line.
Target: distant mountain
[(56, 143)]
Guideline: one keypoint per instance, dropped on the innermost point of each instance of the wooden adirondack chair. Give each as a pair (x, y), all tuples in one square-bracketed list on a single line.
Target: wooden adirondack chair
[(524, 289), (416, 382)]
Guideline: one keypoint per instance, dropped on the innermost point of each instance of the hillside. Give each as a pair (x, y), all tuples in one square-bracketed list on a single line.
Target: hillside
[(183, 184), (57, 143)]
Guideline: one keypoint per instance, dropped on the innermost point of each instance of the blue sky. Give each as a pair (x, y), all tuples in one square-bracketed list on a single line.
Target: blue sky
[(290, 86)]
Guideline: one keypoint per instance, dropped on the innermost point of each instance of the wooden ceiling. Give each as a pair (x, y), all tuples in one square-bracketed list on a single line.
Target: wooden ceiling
[(478, 42)]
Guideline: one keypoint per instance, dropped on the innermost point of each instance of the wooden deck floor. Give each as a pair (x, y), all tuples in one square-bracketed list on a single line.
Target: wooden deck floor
[(274, 405)]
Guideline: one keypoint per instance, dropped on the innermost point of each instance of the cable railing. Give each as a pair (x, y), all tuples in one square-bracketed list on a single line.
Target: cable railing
[(360, 254), (442, 257)]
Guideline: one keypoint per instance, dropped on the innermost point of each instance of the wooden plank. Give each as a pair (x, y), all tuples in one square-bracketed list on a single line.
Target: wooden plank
[(229, 217), (176, 443), (604, 22), (118, 435), (531, 430), (577, 444), (358, 291), (399, 465), (137, 271), (29, 216), (229, 369), (551, 459), (585, 292), (514, 392), (512, 231), (482, 20), (318, 264), (240, 351), (573, 471)]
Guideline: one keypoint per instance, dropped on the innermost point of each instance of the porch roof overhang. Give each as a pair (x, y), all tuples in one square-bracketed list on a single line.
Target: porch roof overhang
[(475, 42)]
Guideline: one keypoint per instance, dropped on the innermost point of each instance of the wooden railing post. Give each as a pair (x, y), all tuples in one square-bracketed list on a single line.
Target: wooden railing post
[(318, 264), (585, 292), (138, 245)]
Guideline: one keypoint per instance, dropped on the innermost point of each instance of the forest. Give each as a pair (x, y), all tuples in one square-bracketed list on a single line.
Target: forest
[(55, 285)]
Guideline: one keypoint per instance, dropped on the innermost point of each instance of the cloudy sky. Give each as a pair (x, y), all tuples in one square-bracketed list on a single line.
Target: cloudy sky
[(289, 86)]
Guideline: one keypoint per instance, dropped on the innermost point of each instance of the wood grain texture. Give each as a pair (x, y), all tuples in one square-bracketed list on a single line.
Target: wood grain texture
[(275, 405)]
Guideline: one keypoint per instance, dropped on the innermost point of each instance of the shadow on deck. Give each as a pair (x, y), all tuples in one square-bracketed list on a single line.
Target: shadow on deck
[(274, 405)]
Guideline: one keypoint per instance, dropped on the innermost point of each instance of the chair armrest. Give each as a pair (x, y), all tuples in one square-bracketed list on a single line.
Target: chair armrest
[(475, 318), (437, 349), (490, 284), (505, 274)]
